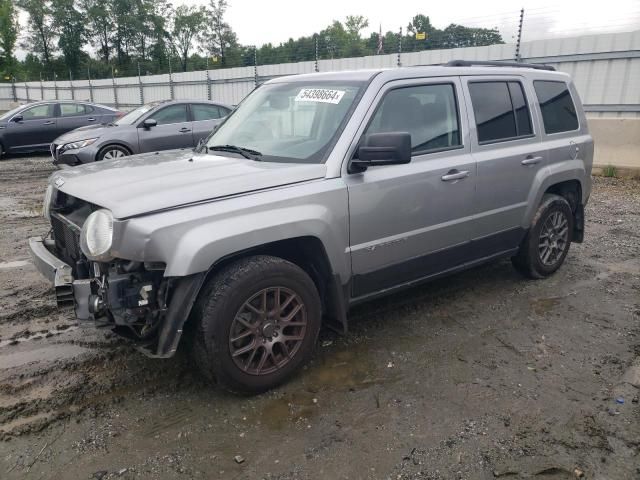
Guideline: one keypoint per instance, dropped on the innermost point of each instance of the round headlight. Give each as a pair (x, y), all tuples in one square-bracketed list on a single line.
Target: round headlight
[(97, 236), (48, 198)]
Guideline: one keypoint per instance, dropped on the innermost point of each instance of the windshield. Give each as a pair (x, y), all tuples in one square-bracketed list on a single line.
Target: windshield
[(289, 122), (134, 115), (11, 113)]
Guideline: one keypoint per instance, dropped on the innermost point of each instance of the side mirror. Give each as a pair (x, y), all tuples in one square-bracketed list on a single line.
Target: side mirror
[(390, 148), (17, 118), (149, 122)]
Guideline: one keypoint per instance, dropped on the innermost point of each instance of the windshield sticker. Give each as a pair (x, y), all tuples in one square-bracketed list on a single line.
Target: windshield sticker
[(323, 95)]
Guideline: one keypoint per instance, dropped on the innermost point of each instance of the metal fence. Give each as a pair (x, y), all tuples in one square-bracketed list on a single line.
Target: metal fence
[(605, 69)]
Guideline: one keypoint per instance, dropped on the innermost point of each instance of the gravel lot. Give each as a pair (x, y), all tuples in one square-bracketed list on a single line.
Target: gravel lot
[(478, 376)]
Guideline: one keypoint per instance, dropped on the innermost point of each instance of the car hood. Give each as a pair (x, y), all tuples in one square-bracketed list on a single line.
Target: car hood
[(82, 133), (156, 181)]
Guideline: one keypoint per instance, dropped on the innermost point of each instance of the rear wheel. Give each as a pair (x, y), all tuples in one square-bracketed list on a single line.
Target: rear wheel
[(111, 152), (256, 323), (547, 243)]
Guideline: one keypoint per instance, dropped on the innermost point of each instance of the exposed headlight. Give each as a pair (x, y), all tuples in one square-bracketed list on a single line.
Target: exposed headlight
[(97, 236), (78, 144), (48, 198)]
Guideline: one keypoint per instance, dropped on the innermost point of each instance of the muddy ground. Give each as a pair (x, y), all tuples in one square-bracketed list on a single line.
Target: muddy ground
[(477, 376)]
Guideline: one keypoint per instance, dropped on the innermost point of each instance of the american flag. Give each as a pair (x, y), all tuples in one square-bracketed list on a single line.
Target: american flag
[(380, 46)]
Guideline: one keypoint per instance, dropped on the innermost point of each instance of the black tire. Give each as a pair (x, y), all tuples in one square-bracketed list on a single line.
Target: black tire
[(220, 307), (531, 259), (112, 151)]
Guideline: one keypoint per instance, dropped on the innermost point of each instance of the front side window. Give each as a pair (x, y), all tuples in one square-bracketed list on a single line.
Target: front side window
[(501, 111), (39, 111), (171, 114), (290, 122), (134, 115), (428, 112), (557, 107)]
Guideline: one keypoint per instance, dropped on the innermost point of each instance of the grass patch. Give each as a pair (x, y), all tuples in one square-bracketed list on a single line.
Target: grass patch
[(609, 171)]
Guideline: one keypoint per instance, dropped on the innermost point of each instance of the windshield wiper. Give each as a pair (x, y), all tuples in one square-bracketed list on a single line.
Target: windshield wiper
[(245, 152)]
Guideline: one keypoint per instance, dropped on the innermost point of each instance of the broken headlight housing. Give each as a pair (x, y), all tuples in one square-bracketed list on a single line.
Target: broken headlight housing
[(97, 236)]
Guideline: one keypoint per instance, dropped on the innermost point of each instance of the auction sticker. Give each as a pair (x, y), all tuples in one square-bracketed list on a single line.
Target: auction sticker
[(323, 95)]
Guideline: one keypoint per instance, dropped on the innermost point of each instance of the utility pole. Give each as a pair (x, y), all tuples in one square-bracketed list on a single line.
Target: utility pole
[(208, 85), (400, 47), (170, 79), (90, 86), (115, 89), (255, 65), (41, 88), (26, 89), (140, 86), (73, 93), (55, 83), (518, 58), (316, 66)]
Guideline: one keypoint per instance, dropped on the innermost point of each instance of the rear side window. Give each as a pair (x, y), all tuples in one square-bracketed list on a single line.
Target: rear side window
[(557, 107), (428, 112), (202, 111), (71, 109), (501, 111)]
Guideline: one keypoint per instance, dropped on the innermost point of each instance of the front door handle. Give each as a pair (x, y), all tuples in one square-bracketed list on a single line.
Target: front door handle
[(184, 130), (455, 175), (50, 122), (91, 119), (530, 160)]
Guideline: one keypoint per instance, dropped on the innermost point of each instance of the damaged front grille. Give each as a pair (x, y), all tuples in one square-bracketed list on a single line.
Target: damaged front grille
[(66, 237)]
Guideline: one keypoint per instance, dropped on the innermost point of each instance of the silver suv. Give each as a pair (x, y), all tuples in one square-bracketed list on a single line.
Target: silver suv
[(319, 192)]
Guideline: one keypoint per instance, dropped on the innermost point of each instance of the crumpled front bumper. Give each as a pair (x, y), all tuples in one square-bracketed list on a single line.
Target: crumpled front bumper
[(69, 292)]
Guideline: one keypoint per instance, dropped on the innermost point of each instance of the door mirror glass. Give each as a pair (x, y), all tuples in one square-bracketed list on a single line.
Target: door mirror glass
[(149, 122), (17, 118), (377, 149)]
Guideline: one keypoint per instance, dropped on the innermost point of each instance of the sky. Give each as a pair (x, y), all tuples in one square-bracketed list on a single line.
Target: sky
[(257, 22), (261, 21)]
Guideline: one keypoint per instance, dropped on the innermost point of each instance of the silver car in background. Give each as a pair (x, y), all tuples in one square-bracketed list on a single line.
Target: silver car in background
[(155, 126)]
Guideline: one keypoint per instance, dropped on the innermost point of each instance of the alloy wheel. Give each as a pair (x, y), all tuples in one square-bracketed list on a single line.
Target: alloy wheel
[(554, 237), (268, 330)]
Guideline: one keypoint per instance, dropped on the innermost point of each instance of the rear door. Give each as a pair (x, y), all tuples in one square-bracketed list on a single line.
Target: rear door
[(74, 115), (205, 116), (36, 130), (507, 148), (174, 130)]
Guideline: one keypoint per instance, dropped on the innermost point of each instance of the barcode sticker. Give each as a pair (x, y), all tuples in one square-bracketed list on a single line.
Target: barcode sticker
[(323, 95)]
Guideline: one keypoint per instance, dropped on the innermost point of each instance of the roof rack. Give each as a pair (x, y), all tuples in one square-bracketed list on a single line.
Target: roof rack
[(469, 63)]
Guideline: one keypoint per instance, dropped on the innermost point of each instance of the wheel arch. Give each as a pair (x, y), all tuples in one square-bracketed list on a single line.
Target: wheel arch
[(116, 143)]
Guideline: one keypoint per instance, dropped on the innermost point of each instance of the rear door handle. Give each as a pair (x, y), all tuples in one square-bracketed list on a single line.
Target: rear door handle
[(184, 130), (455, 175), (531, 160)]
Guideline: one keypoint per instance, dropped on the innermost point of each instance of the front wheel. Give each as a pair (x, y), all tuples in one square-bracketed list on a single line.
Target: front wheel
[(547, 243), (255, 324), (111, 152)]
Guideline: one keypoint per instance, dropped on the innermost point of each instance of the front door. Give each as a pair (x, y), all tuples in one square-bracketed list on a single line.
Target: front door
[(173, 130), (36, 130), (408, 222)]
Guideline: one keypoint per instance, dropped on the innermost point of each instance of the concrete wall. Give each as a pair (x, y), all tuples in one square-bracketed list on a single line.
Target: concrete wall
[(617, 143)]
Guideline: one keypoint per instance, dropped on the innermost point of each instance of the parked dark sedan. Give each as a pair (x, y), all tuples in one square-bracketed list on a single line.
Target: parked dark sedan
[(155, 126), (34, 126)]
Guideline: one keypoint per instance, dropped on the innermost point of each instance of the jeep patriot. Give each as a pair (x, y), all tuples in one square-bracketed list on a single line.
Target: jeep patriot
[(318, 192)]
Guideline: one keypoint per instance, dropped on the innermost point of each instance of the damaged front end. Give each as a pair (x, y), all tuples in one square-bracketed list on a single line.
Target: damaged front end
[(131, 297)]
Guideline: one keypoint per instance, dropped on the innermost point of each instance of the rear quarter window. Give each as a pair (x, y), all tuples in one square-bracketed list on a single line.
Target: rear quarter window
[(557, 107)]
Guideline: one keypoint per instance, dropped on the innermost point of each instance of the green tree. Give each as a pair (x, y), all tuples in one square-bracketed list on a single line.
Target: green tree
[(218, 39), (41, 34), (71, 31), (187, 24), (8, 33), (99, 26)]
